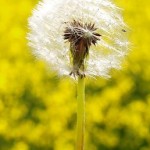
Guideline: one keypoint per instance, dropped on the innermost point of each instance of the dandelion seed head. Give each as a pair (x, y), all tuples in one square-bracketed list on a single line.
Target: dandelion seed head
[(54, 25)]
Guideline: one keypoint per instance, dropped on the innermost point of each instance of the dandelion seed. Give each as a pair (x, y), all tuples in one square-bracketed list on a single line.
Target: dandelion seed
[(79, 38), (60, 29)]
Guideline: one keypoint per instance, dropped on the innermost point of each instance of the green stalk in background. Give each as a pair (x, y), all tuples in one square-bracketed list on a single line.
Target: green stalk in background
[(80, 113)]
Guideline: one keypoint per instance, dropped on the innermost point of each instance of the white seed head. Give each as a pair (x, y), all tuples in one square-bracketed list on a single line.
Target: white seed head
[(50, 20)]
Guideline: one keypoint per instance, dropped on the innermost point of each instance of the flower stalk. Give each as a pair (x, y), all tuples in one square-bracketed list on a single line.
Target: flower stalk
[(80, 113)]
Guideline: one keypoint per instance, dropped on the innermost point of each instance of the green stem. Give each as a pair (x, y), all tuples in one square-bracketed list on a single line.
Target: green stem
[(80, 113)]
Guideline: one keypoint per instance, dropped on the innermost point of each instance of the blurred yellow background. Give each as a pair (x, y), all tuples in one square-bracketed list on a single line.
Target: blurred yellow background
[(38, 110)]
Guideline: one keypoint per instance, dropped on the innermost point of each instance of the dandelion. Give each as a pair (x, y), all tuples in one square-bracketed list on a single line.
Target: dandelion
[(79, 39)]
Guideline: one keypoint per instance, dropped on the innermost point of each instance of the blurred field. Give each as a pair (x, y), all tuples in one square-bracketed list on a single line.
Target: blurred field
[(35, 114)]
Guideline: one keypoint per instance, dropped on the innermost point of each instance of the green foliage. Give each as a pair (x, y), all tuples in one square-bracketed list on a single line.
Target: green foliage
[(38, 110)]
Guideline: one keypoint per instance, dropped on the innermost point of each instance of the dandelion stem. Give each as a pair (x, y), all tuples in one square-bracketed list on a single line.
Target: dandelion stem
[(80, 113)]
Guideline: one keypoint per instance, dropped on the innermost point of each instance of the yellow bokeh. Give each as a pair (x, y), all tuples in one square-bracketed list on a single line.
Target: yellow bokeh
[(38, 109)]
